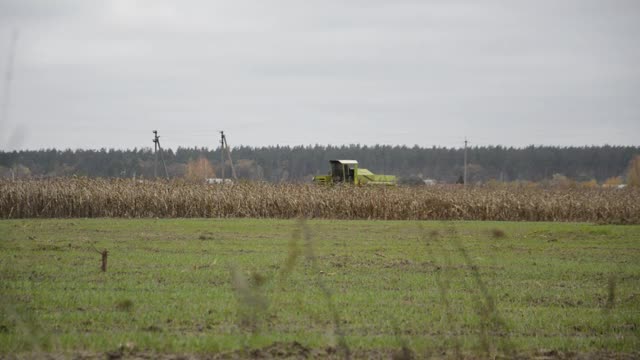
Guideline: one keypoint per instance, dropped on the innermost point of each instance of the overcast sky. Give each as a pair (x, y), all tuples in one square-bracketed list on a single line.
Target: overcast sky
[(92, 73)]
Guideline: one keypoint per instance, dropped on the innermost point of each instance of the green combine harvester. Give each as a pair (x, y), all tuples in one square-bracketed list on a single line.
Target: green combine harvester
[(347, 172)]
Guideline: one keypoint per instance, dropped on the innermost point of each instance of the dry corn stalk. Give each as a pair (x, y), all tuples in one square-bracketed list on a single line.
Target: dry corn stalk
[(84, 197)]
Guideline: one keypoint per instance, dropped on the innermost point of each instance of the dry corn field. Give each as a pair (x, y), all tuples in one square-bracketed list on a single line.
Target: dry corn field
[(82, 197)]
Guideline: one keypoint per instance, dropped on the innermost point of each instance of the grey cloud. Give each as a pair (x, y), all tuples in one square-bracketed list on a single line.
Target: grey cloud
[(18, 137), (103, 73), (23, 11)]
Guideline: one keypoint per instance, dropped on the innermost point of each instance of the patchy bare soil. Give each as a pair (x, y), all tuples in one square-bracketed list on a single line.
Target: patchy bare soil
[(295, 350)]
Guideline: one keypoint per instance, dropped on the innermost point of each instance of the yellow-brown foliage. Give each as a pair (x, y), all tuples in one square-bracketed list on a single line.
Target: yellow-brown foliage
[(83, 197), (633, 172), (613, 181), (199, 170), (589, 184)]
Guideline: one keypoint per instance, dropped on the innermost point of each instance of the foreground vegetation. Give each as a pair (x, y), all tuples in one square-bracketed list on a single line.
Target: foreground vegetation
[(83, 197), (320, 288)]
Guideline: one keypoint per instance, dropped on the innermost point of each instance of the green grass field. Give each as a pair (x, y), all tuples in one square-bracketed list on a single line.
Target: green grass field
[(212, 286)]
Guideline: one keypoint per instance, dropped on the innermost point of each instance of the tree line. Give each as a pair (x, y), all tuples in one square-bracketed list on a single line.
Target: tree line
[(300, 163)]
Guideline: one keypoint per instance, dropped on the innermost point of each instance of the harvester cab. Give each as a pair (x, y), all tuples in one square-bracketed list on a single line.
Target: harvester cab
[(348, 172), (343, 170)]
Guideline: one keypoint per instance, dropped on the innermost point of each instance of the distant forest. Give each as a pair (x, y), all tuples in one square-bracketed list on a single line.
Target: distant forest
[(300, 163)]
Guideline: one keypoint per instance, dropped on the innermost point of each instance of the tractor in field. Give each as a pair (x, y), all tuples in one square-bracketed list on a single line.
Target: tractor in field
[(348, 172)]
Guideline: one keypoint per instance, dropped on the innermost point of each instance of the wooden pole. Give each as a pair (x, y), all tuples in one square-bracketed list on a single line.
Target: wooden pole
[(222, 153), (104, 254), (464, 181)]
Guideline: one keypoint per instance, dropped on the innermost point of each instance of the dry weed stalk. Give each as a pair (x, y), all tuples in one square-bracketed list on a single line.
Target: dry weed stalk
[(84, 197)]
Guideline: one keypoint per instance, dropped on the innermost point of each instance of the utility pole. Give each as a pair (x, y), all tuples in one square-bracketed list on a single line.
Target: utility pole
[(224, 145), (464, 180), (222, 153), (158, 149), (156, 141)]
